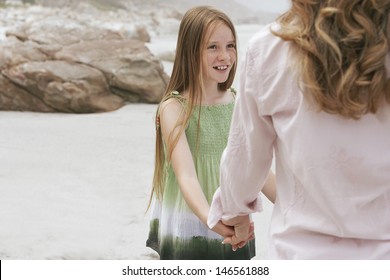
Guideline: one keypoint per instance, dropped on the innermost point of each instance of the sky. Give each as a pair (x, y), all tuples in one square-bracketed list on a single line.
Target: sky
[(275, 6)]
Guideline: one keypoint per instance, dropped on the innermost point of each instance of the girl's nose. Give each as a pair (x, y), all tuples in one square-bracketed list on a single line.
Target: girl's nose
[(223, 55)]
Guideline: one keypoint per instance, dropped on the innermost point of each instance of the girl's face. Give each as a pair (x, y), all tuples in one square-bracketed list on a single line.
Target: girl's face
[(219, 55)]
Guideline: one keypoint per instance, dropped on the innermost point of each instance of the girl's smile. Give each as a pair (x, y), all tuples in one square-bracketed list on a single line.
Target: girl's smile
[(221, 68)]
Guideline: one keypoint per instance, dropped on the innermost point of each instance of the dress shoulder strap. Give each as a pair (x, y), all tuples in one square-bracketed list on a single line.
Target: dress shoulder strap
[(175, 94)]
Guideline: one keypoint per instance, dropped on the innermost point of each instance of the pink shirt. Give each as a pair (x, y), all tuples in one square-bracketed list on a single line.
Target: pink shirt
[(332, 173)]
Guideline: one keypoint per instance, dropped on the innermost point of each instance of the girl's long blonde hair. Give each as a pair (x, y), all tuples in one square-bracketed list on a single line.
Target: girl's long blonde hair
[(343, 46), (187, 76)]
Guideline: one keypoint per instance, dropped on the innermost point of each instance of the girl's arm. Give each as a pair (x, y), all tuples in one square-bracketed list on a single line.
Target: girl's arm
[(183, 165)]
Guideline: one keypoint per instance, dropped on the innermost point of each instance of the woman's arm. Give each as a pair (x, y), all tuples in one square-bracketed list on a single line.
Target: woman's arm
[(247, 159), (269, 188)]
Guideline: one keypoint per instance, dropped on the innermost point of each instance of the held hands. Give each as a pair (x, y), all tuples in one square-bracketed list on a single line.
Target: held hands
[(243, 231), (236, 232)]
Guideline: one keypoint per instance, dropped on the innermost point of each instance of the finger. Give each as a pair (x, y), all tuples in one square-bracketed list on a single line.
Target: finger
[(251, 227), (242, 244), (227, 240), (239, 245), (238, 242)]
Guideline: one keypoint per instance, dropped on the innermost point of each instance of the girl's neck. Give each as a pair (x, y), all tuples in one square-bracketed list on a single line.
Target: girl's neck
[(214, 96)]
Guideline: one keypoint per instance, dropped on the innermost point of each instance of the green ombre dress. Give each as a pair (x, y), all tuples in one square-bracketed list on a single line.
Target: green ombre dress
[(175, 232)]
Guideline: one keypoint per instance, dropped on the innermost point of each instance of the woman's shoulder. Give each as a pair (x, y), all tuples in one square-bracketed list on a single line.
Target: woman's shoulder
[(264, 33), (266, 41), (269, 54)]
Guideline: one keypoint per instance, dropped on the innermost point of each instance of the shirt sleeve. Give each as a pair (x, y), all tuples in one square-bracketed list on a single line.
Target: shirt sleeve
[(247, 159)]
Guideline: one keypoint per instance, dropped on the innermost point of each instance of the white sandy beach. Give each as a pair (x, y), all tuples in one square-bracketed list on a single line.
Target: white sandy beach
[(77, 186)]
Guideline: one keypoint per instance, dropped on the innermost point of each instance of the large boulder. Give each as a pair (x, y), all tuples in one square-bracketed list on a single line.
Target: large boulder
[(69, 66), (65, 86)]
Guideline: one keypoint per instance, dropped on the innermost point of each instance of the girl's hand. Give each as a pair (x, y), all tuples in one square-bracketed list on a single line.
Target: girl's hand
[(223, 230)]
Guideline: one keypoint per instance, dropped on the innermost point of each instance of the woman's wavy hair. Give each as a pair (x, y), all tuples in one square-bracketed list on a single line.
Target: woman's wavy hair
[(343, 44), (195, 29)]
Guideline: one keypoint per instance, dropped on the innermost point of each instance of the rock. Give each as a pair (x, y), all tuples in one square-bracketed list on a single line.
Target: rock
[(15, 52), (14, 98), (141, 34), (65, 86), (130, 69), (67, 65), (58, 31)]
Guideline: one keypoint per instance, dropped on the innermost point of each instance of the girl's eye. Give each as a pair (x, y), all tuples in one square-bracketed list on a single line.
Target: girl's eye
[(232, 46), (212, 47)]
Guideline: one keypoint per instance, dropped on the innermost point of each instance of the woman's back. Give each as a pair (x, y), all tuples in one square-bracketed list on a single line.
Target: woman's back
[(332, 173)]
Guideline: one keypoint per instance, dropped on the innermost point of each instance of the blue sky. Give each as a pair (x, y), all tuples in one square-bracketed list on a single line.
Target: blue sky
[(276, 6)]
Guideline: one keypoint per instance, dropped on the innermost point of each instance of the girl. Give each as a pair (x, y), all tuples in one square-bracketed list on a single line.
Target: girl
[(192, 125)]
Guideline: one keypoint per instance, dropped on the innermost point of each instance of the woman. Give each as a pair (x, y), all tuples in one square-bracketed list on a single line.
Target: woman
[(315, 91)]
